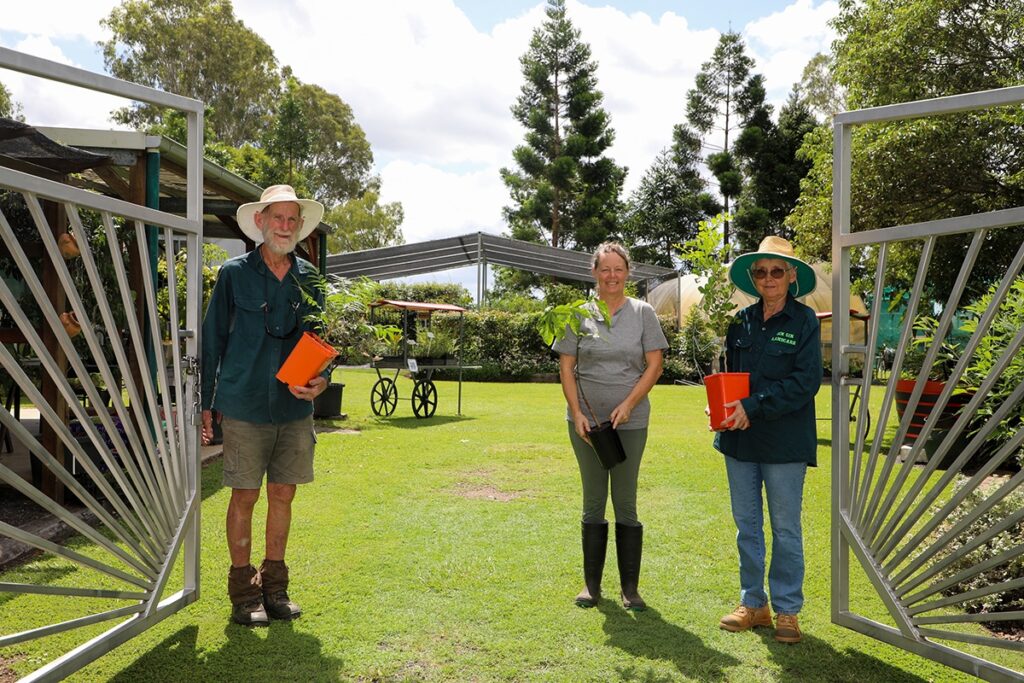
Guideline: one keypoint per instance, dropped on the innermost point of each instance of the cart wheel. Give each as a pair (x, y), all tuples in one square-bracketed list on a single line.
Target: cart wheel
[(384, 397), (424, 398)]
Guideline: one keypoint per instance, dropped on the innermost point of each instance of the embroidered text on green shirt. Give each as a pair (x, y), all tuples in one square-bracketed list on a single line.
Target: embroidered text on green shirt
[(784, 338)]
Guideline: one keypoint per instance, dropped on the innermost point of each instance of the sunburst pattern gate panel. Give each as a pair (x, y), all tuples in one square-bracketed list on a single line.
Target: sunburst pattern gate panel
[(122, 360), (928, 498)]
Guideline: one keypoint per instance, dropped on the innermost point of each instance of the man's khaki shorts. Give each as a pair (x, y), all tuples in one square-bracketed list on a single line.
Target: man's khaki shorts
[(284, 452)]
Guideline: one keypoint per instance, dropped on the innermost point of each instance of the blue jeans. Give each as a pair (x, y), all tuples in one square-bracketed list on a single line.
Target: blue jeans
[(783, 485)]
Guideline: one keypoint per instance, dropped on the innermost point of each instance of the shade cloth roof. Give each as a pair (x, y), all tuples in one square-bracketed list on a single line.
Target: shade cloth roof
[(471, 249), (22, 143)]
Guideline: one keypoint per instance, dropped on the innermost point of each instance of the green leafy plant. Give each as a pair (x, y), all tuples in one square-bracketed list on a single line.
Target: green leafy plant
[(342, 322), (948, 355), (1007, 323), (1003, 573), (555, 320), (709, 257), (433, 343)]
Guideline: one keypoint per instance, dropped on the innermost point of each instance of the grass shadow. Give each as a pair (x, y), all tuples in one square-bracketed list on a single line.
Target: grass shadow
[(646, 634), (420, 422), (211, 477), (815, 661), (283, 654)]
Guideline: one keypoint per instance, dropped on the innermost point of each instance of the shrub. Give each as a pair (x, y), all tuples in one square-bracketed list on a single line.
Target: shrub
[(505, 344), (1007, 323), (424, 292), (1012, 569)]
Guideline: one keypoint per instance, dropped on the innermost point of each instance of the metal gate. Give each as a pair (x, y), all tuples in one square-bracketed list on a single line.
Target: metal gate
[(120, 355), (931, 527)]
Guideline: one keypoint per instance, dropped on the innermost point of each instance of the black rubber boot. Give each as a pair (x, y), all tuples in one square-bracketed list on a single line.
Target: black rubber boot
[(246, 594), (275, 591), (595, 543), (629, 547)]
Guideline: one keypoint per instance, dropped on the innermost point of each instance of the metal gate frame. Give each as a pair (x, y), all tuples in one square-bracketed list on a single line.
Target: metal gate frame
[(157, 494), (894, 538)]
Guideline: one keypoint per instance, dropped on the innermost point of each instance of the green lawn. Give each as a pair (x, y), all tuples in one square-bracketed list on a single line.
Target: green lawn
[(448, 549)]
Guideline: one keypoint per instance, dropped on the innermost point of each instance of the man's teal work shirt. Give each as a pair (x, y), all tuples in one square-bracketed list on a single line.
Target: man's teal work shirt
[(783, 356), (240, 357)]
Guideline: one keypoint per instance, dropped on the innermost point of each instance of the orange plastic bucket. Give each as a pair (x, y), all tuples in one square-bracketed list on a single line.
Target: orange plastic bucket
[(723, 387), (309, 358)]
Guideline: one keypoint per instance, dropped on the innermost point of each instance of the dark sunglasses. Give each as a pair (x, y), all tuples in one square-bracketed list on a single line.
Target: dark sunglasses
[(289, 333), (776, 273)]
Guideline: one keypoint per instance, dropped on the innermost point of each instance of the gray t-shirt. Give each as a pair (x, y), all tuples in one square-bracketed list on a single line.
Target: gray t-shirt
[(610, 361)]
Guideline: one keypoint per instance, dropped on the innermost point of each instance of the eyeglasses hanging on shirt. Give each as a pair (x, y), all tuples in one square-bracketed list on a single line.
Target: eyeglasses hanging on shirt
[(266, 321)]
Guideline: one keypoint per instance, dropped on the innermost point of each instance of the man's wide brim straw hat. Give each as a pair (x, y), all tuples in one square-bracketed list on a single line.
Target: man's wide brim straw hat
[(772, 247), (311, 211)]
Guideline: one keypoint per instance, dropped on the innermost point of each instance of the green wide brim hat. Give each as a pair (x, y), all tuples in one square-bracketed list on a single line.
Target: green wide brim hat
[(775, 248)]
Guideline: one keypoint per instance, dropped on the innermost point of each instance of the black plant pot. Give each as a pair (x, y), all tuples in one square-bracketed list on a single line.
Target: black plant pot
[(607, 445), (328, 404)]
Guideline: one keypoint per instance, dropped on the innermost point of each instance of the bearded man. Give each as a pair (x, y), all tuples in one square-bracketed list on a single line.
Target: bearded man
[(255, 317)]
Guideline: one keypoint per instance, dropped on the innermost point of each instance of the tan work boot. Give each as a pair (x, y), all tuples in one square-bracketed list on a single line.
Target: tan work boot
[(275, 590), (246, 595), (787, 630), (743, 618)]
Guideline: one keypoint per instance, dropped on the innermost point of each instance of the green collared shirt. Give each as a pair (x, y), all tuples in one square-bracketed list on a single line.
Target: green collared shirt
[(783, 356), (240, 357)]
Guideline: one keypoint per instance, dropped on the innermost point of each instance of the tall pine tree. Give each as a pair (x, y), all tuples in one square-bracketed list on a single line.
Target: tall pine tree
[(725, 96), (564, 190), (768, 155), (671, 201)]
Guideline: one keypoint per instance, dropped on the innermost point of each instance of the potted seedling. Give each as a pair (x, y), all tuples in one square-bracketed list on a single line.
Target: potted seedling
[(555, 322), (341, 332), (709, 257)]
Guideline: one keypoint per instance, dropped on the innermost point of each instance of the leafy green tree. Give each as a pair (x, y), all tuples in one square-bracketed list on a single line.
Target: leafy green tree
[(725, 96), (564, 190), (9, 107), (768, 152), (196, 48), (891, 51), (670, 202), (339, 164), (290, 139), (818, 90), (364, 223)]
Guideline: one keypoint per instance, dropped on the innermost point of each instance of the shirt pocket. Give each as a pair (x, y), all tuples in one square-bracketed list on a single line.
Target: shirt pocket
[(247, 323), (740, 358), (778, 361)]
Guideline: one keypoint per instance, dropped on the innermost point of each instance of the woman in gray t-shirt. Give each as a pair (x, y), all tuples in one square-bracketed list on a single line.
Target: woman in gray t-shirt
[(616, 365)]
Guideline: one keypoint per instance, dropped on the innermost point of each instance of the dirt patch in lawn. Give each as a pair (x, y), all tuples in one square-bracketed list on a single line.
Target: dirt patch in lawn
[(6, 674), (484, 492)]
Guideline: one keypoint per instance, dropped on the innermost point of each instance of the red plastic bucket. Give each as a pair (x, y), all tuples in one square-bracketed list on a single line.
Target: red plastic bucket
[(309, 358), (723, 387)]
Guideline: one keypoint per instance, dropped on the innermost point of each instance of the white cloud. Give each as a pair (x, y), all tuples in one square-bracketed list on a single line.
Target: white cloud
[(438, 203), (783, 43), (48, 103), (57, 19)]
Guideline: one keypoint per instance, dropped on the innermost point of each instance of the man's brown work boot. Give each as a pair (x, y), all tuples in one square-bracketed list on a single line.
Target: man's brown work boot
[(787, 629), (246, 597), (275, 590), (743, 618)]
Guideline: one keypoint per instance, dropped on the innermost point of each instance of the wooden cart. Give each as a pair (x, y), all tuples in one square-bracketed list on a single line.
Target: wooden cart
[(416, 319)]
